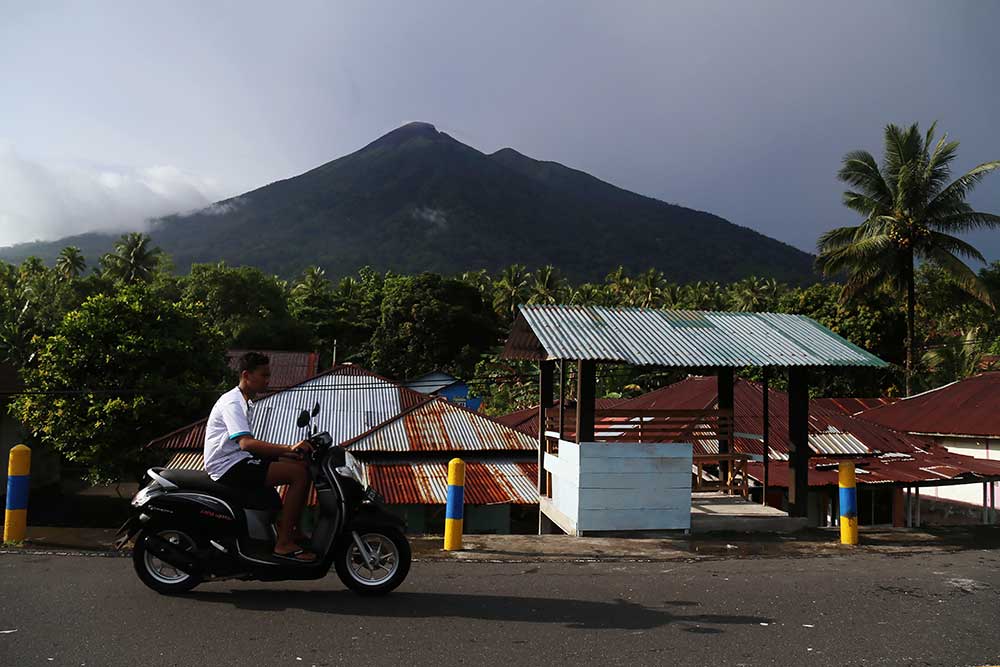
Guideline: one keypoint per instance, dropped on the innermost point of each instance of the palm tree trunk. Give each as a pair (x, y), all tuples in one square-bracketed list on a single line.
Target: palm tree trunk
[(910, 306)]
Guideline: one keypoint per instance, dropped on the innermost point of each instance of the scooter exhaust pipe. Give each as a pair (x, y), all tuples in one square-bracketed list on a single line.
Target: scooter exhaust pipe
[(172, 554)]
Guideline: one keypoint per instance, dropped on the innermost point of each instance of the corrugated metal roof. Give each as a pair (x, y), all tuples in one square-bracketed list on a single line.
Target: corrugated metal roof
[(646, 336), (486, 482), (287, 368), (968, 407), (352, 400), (924, 468), (439, 425), (489, 482), (851, 406), (830, 432), (526, 420)]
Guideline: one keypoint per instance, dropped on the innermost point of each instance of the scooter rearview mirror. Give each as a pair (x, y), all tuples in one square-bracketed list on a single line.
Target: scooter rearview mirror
[(303, 419), (315, 409)]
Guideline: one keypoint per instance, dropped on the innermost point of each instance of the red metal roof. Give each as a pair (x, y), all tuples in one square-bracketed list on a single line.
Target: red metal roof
[(287, 368), (426, 483), (830, 432), (487, 482), (967, 407), (440, 425), (850, 406), (526, 420), (919, 468)]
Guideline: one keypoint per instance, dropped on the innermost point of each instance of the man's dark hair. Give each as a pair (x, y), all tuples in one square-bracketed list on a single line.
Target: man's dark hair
[(251, 361)]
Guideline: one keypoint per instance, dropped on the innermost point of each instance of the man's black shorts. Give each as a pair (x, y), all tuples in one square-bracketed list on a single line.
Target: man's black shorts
[(248, 474)]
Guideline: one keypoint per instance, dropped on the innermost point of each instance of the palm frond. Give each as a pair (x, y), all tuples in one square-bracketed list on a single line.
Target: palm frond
[(860, 170), (953, 245), (964, 221), (961, 274), (964, 184)]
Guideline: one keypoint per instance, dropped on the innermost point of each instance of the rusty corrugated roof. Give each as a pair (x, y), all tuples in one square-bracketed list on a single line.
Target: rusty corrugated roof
[(969, 407), (287, 368), (526, 420), (851, 406), (487, 482), (439, 425), (426, 483), (830, 432), (929, 468)]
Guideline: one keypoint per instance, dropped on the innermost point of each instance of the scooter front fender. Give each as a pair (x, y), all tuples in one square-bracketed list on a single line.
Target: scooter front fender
[(374, 515)]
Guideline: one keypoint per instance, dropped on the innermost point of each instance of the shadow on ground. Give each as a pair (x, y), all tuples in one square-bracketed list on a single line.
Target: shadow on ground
[(576, 614)]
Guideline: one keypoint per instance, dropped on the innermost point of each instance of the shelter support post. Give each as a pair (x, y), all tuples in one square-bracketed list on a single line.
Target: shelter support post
[(724, 378), (562, 398), (909, 507), (993, 502), (985, 510), (545, 369), (918, 505), (586, 391), (766, 431), (798, 441)]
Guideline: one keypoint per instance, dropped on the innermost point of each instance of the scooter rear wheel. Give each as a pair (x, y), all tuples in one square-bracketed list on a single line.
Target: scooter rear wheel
[(159, 575), (388, 567)]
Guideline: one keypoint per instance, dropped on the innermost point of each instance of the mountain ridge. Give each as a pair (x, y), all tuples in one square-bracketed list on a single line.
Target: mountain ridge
[(417, 199)]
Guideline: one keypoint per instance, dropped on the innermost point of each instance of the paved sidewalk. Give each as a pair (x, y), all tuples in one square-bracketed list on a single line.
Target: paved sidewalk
[(542, 548)]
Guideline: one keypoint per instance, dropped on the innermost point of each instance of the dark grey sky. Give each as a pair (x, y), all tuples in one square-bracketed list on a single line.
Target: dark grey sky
[(112, 112)]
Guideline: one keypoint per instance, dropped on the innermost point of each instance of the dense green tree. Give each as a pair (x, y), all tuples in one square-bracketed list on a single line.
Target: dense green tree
[(429, 322), (118, 371), (911, 210), (547, 286), (249, 307), (955, 358)]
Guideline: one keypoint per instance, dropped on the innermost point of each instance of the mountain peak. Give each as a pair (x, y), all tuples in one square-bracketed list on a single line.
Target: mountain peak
[(408, 132)]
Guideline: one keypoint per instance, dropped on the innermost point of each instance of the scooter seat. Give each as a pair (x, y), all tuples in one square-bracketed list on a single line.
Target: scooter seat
[(263, 498)]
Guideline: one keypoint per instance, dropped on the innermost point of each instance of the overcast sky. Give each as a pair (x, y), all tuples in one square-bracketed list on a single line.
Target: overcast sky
[(113, 112)]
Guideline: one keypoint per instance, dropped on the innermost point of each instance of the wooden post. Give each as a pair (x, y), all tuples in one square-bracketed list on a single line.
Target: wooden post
[(767, 430), (798, 441), (562, 398), (544, 403), (724, 379), (586, 390)]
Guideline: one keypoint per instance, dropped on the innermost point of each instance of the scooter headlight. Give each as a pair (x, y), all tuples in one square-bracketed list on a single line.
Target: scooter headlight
[(352, 468)]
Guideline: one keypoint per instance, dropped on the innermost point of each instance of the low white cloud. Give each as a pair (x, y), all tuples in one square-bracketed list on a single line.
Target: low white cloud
[(45, 202), (434, 216)]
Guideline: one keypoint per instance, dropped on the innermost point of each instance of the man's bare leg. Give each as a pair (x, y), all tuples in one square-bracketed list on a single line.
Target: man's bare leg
[(297, 479)]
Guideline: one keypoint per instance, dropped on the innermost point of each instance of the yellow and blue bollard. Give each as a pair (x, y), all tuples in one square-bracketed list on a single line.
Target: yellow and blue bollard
[(455, 509), (848, 503), (18, 475)]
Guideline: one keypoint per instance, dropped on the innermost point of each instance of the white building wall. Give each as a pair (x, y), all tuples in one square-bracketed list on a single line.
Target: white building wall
[(600, 486), (977, 447)]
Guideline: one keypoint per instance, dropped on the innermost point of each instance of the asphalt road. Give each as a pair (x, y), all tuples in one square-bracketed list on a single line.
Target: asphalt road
[(864, 609)]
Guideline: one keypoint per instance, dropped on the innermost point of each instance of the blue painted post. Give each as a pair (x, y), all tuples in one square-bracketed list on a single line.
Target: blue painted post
[(18, 476), (848, 503), (455, 509)]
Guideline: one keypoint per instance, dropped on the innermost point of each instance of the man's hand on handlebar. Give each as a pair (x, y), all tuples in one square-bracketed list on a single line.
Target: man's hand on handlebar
[(301, 450)]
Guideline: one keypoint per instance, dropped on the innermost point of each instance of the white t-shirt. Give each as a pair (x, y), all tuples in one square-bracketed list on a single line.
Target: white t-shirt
[(229, 419)]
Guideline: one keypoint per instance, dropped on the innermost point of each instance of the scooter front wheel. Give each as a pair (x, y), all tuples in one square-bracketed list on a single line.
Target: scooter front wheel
[(374, 563)]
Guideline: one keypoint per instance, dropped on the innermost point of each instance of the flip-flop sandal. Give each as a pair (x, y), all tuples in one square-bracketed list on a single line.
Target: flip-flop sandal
[(294, 556)]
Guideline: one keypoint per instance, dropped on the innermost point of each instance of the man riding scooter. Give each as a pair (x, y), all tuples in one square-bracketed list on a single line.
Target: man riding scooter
[(235, 458)]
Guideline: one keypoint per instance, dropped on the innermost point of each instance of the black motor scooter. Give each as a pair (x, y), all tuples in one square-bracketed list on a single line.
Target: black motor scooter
[(188, 528)]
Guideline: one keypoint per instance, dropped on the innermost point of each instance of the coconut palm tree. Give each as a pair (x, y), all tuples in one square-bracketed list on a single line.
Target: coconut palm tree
[(132, 261), (312, 287), (911, 210), (70, 263), (956, 358), (510, 290), (547, 287)]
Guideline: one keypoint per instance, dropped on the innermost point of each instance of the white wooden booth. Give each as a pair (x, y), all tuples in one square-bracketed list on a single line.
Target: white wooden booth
[(598, 486)]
